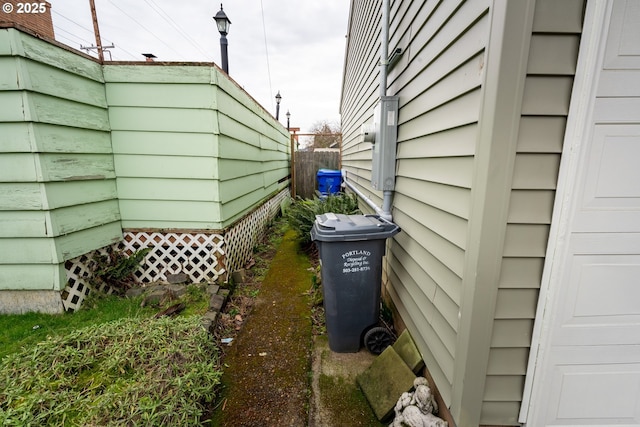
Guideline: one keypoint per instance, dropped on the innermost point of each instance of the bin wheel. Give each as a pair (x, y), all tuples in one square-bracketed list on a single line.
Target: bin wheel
[(377, 339)]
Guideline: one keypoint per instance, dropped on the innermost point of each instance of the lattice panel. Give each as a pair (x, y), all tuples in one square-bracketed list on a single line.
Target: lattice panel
[(198, 255), (78, 273), (243, 236)]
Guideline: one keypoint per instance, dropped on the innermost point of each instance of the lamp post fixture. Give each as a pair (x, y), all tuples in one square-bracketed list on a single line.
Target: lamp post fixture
[(288, 117), (223, 24), (278, 99)]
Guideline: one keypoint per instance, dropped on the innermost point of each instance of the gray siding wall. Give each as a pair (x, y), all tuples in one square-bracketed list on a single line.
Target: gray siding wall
[(440, 80), (551, 66)]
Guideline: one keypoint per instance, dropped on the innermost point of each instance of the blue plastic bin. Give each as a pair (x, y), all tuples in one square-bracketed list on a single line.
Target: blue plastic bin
[(329, 181)]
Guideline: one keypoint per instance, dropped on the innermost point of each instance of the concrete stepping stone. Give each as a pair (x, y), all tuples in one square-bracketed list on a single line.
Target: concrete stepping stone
[(407, 350), (385, 381)]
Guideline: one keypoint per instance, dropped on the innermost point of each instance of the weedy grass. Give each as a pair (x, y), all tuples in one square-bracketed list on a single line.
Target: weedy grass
[(131, 371), (24, 330)]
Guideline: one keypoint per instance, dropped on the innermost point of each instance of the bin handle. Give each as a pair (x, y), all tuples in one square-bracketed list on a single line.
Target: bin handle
[(380, 218)]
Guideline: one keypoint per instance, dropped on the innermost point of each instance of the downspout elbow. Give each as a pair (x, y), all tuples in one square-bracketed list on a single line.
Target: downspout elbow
[(387, 201)]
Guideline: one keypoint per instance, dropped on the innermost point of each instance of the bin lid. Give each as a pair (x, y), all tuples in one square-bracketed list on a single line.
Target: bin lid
[(329, 172), (340, 227)]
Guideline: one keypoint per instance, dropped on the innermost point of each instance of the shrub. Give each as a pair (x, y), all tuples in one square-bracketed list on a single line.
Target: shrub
[(116, 269), (302, 213)]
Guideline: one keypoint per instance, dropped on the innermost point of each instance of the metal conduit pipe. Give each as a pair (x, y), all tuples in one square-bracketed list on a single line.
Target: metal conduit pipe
[(384, 48), (364, 198), (387, 195)]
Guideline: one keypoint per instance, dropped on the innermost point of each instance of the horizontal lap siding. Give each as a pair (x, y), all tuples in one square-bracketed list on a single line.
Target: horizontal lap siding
[(254, 152), (192, 150), (360, 88), (551, 66), (164, 132), (438, 80), (57, 185)]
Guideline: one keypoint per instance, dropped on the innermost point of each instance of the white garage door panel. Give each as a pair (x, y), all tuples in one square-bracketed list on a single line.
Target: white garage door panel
[(597, 243), (619, 83), (615, 174), (623, 49), (578, 398), (588, 368), (579, 395), (609, 291), (610, 190), (603, 393), (604, 295), (617, 110)]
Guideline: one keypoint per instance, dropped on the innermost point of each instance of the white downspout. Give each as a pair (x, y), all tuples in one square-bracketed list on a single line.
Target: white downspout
[(387, 195)]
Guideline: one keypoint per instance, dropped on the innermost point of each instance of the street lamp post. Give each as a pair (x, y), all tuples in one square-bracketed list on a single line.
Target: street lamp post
[(223, 24), (278, 99), (288, 117)]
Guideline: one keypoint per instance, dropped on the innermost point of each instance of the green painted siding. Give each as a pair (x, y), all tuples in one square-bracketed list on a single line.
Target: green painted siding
[(192, 150), (57, 176), (89, 149)]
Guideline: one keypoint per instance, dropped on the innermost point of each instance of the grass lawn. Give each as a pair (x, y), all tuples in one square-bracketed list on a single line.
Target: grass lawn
[(19, 331)]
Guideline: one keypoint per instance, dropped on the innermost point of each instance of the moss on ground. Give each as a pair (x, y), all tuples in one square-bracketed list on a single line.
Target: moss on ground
[(267, 377), (349, 407), (266, 381)]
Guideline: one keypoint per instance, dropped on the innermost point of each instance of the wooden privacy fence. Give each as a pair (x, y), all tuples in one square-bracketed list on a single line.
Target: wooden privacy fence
[(306, 165)]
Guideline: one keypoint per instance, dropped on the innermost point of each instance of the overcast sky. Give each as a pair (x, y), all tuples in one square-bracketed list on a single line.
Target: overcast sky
[(292, 46)]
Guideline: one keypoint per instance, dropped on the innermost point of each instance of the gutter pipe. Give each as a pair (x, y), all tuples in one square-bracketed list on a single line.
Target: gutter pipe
[(387, 195)]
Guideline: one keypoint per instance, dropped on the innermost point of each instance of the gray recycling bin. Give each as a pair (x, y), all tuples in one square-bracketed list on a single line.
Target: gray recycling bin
[(351, 249)]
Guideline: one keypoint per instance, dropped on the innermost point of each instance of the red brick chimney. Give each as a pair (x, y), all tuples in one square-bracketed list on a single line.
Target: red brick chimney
[(33, 16)]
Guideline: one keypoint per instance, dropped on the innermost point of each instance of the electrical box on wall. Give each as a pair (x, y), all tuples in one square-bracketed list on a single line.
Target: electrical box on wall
[(383, 168)]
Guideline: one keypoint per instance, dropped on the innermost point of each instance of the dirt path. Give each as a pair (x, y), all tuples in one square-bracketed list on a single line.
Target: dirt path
[(267, 378)]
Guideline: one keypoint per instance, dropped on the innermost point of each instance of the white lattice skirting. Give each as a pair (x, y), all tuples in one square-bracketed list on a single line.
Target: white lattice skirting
[(203, 256), (243, 236), (198, 255)]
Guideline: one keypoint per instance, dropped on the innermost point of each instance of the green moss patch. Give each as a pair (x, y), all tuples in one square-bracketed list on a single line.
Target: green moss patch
[(349, 407), (266, 380)]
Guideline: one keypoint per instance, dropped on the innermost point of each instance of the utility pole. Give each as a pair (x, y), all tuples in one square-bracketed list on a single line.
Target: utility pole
[(96, 30)]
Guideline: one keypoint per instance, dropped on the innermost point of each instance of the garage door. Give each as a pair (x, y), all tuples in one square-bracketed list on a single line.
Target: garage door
[(586, 370)]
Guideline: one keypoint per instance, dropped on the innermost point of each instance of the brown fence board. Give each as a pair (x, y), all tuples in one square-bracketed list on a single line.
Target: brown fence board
[(307, 164)]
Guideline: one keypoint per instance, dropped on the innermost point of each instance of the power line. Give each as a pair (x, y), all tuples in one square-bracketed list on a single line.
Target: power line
[(73, 22), (264, 30), (146, 29), (164, 15), (58, 30), (135, 57), (67, 38)]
